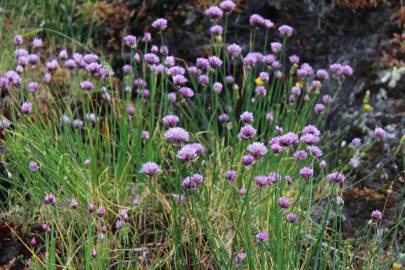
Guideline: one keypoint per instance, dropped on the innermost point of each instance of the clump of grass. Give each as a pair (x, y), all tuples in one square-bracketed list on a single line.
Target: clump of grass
[(220, 164)]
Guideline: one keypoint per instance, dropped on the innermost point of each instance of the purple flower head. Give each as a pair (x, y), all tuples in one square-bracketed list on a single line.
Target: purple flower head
[(315, 151), (377, 215), (261, 180), (37, 43), (217, 87), (179, 79), (192, 182), (33, 59), (124, 214), (170, 61), (86, 85), (202, 63), (276, 47), (347, 70), (234, 49), (322, 74), (118, 224), (78, 123), (190, 151), (47, 77), (264, 76), (286, 30), (94, 252), (249, 61), (356, 142), (146, 93), (164, 50), (139, 82), (91, 207), (130, 109), (223, 118), (269, 59), (261, 90), (193, 70), (248, 160), (4, 123), (326, 99), (256, 20), (171, 97), (273, 177), (262, 236), (101, 211), (242, 191), (145, 135), (230, 175), (50, 199), (278, 129), (292, 218), (52, 65), (176, 136), (269, 117), (288, 179), (379, 133), (247, 132), (257, 149), (19, 52), (288, 139), (216, 30), (87, 162), (13, 78), (18, 40), (246, 117), (336, 68), (33, 166), (322, 163), (319, 108), (150, 168), (309, 138), (93, 67), (127, 69), (214, 61), (337, 177), (268, 24), (229, 79), (26, 107), (70, 64), (354, 162), (301, 154), (294, 59), (186, 92), (283, 202), (295, 90), (239, 257), (32, 86), (276, 148), (63, 54), (170, 120), (147, 37), (203, 79), (160, 24), (90, 58), (306, 172), (151, 58), (214, 12), (227, 5)]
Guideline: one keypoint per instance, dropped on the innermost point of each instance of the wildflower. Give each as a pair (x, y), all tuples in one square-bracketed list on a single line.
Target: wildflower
[(191, 183), (309, 139), (33, 241), (33, 166), (101, 211), (354, 162), (50, 199), (276, 148), (26, 107), (288, 139), (151, 58), (203, 79), (283, 202), (73, 203), (261, 90), (47, 77), (356, 142), (273, 177), (294, 59), (339, 200), (18, 40), (227, 5), (176, 135), (268, 23), (179, 79), (126, 69), (269, 117), (288, 179), (295, 90), (171, 61), (93, 253), (70, 64), (202, 63), (214, 12), (396, 266), (4, 123), (242, 191), (247, 132), (319, 108), (337, 177), (171, 97), (326, 99), (90, 207), (276, 47), (322, 163), (257, 149), (347, 70), (367, 107), (248, 160), (150, 168), (246, 117), (170, 120), (86, 85), (190, 151), (229, 79), (256, 20), (139, 82), (145, 135), (124, 214), (118, 224), (160, 24), (51, 65), (292, 218), (315, 151), (234, 50), (239, 257), (379, 133), (223, 118), (78, 123), (214, 61), (262, 236), (278, 129), (261, 180), (302, 154), (164, 50), (286, 30), (217, 87), (216, 30), (306, 172), (377, 215), (37, 43), (230, 175), (322, 74)]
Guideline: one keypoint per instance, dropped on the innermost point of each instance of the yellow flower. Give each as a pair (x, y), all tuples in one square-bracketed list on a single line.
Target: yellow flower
[(299, 84), (396, 266), (367, 107), (259, 81)]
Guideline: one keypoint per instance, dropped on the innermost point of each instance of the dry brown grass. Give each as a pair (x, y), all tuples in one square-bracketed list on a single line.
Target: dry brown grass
[(355, 5)]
